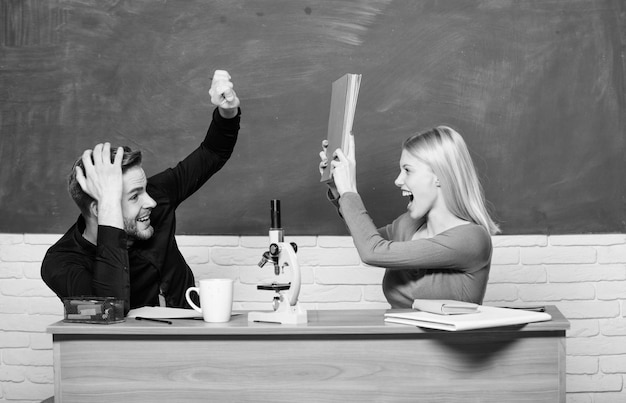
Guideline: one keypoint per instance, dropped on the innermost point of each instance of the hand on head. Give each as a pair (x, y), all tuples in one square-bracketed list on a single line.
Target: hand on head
[(101, 178), (223, 95)]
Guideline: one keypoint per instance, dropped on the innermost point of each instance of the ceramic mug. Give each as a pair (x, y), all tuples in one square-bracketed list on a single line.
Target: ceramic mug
[(216, 299)]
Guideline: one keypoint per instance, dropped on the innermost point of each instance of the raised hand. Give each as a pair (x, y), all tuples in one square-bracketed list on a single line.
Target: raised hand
[(344, 169), (223, 95)]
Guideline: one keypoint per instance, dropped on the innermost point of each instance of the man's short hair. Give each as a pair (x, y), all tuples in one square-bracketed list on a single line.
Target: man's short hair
[(83, 200)]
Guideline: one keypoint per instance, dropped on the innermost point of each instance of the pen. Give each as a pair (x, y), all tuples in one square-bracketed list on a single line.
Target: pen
[(153, 320), (527, 308)]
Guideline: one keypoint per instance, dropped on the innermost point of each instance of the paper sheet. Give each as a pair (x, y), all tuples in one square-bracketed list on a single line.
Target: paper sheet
[(162, 312)]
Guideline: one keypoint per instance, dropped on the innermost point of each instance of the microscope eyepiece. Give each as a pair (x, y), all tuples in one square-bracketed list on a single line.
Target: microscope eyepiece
[(275, 210)]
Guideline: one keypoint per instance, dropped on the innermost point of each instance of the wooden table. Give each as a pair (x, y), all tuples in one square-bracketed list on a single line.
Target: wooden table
[(338, 356)]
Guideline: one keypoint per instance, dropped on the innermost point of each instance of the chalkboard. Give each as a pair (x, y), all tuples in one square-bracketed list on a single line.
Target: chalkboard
[(536, 87)]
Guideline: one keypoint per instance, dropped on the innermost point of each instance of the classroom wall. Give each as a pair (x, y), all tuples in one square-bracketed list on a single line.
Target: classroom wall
[(584, 275)]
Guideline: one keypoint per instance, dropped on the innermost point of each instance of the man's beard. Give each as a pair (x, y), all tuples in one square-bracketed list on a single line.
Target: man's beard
[(130, 226)]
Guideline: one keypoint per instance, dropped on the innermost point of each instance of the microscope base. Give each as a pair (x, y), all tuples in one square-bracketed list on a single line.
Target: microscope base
[(285, 314)]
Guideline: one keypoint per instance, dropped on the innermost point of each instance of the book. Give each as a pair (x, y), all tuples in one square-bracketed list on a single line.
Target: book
[(444, 306), (485, 317), (344, 94)]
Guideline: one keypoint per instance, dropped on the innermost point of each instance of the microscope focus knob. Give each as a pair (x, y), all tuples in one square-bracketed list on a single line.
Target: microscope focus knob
[(274, 249), (266, 257)]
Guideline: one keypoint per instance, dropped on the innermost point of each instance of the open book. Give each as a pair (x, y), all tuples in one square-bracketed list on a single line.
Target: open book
[(345, 92), (487, 316)]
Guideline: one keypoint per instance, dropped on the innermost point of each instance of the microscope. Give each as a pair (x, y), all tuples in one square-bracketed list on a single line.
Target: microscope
[(283, 256)]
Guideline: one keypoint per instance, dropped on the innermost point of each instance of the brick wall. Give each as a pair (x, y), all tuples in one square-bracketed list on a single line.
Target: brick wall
[(584, 275)]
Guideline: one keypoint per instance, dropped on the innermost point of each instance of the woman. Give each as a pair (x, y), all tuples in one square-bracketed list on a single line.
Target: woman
[(441, 247)]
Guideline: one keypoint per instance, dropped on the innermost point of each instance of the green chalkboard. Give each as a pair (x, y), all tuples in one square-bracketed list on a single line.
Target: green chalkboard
[(536, 87)]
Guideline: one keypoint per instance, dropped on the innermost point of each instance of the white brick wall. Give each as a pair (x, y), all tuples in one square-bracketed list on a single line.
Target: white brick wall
[(584, 275)]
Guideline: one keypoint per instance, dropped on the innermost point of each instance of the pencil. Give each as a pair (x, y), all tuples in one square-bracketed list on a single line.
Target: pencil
[(153, 320)]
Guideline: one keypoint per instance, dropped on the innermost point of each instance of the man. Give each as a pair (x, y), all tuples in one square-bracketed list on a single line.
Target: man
[(123, 243)]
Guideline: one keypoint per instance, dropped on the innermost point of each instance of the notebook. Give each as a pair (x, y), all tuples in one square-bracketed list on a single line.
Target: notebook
[(487, 316)]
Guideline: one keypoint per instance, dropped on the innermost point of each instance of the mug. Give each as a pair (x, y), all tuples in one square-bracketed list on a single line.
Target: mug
[(216, 299)]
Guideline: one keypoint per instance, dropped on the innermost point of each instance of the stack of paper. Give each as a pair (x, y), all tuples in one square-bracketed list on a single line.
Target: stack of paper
[(487, 316), (345, 92)]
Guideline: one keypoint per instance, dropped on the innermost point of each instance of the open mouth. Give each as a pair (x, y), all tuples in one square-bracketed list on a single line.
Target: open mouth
[(145, 218), (408, 194)]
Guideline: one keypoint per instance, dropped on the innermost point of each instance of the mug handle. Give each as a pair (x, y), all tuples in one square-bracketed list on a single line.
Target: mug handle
[(189, 290)]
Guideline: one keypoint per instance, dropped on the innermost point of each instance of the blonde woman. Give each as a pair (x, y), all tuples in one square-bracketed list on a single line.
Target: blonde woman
[(440, 248)]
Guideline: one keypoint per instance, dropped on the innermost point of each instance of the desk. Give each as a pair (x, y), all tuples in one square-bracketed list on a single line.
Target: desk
[(343, 356)]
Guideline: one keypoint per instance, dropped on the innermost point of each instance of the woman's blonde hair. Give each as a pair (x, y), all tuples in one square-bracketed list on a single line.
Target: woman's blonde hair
[(445, 152)]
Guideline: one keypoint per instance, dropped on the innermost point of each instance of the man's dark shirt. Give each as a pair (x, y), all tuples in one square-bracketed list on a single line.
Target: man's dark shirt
[(75, 267)]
